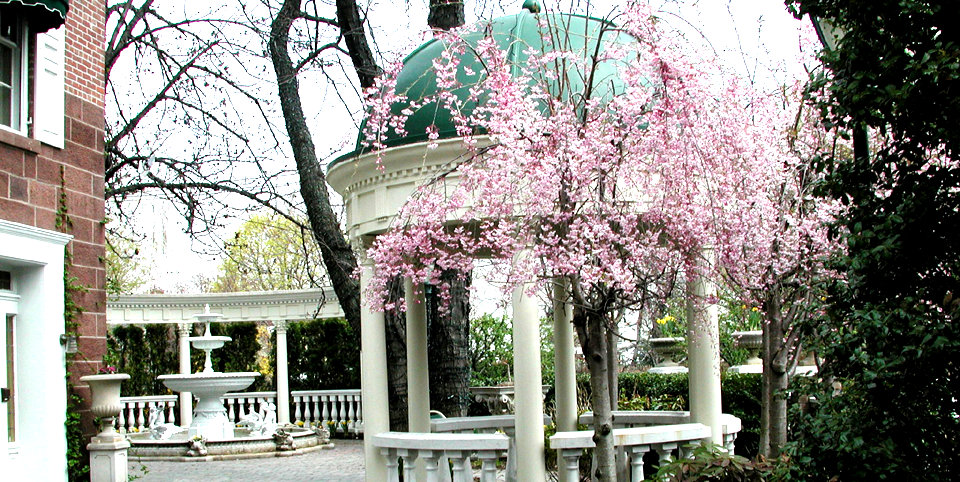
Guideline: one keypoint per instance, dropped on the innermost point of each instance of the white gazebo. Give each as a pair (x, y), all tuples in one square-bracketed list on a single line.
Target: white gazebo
[(374, 188)]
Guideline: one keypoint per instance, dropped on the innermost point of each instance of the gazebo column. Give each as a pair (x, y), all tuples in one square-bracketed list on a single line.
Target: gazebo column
[(373, 379), (528, 389), (564, 368), (283, 377), (703, 343), (418, 377), (186, 398)]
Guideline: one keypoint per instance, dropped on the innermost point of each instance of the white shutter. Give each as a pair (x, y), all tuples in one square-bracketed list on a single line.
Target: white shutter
[(48, 98)]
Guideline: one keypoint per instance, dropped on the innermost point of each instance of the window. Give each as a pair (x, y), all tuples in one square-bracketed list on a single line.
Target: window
[(13, 56)]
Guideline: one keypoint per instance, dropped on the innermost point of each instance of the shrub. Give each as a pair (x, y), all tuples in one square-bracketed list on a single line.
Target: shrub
[(711, 463), (322, 355), (651, 391)]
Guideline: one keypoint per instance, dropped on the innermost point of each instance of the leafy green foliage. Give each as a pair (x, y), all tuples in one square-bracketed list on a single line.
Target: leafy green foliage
[(125, 270), (78, 466), (491, 351), (651, 391), (144, 353), (891, 337), (322, 355), (270, 252), (710, 462)]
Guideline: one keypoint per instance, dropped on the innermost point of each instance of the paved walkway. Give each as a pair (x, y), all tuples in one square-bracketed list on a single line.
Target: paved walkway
[(343, 463)]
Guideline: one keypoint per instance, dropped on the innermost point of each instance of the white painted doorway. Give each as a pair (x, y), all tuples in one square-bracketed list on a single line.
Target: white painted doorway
[(9, 307)]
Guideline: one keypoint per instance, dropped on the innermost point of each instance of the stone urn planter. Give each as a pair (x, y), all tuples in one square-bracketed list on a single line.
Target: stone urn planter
[(670, 351), (751, 341), (105, 389)]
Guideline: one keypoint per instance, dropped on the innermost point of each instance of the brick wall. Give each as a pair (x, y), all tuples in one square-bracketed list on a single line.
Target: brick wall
[(30, 175)]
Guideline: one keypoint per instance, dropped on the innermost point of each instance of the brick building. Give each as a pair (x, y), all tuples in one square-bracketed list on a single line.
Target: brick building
[(51, 161)]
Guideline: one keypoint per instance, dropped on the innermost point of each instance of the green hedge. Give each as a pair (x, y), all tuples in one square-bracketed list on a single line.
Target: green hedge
[(740, 395), (144, 353), (322, 355)]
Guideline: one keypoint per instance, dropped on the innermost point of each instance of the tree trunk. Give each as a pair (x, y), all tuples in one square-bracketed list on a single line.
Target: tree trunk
[(775, 380), (446, 14), (591, 330), (338, 257), (354, 35), (613, 369), (449, 348), (396, 326)]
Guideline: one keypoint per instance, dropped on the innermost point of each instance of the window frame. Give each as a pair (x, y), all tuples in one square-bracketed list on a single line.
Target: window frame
[(20, 90)]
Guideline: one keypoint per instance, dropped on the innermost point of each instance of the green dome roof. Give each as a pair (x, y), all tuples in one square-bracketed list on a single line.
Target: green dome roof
[(515, 34)]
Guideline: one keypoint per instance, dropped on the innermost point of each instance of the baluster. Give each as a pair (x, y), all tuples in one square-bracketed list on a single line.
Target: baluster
[(261, 404), (231, 414), (409, 457), (341, 426), (139, 412), (636, 461), (324, 400), (431, 459), (161, 413), (251, 409), (351, 414), (571, 465), (359, 414), (307, 416), (728, 442), (170, 411), (462, 472), (488, 466), (665, 452), (297, 401), (393, 473), (121, 421), (131, 416)]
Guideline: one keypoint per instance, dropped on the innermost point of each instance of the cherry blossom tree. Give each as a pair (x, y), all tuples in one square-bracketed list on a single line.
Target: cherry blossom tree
[(609, 185)]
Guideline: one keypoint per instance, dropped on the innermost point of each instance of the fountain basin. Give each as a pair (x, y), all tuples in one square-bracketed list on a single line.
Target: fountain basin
[(241, 446), (209, 416), (208, 342)]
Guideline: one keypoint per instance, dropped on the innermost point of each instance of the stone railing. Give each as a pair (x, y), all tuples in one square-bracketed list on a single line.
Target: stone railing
[(432, 448), (135, 415), (485, 425), (338, 410), (632, 444), (239, 405), (731, 425)]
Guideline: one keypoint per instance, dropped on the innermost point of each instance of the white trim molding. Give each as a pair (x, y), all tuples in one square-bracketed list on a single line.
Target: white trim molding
[(287, 305)]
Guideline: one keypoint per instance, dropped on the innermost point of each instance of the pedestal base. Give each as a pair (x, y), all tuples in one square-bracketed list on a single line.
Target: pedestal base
[(668, 370), (108, 459), (211, 424)]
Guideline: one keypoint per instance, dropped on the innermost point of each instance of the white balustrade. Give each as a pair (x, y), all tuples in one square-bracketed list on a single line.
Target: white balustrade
[(241, 404), (633, 443), (135, 415), (431, 448), (338, 410), (731, 425), (487, 424)]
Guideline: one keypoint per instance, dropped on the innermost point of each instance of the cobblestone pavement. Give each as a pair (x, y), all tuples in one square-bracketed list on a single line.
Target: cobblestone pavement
[(343, 463)]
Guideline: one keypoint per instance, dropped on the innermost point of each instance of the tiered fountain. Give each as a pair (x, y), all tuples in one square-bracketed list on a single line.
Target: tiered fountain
[(212, 434), (209, 416)]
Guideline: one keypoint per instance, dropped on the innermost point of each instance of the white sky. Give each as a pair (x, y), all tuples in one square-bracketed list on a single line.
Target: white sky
[(751, 36)]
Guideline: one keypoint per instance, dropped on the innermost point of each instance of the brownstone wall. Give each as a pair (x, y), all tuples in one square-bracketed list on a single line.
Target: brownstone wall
[(30, 175)]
